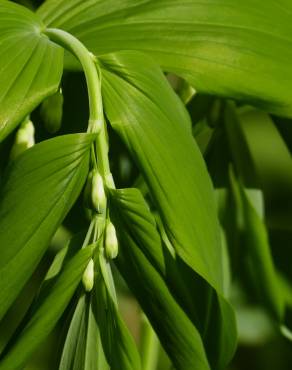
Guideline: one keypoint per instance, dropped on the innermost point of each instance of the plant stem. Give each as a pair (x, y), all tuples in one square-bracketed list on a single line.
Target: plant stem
[(96, 122), (149, 346)]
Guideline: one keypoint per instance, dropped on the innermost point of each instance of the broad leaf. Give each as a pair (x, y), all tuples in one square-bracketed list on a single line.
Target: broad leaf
[(154, 125), (39, 188), (48, 313), (212, 320), (221, 47), (82, 349), (30, 65)]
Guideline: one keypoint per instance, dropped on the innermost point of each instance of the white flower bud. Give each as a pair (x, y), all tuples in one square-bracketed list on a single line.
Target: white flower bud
[(111, 241), (88, 276), (24, 139), (98, 196)]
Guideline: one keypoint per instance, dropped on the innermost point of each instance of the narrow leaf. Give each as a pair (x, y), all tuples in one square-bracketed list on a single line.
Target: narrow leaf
[(82, 349), (258, 255), (48, 313), (119, 347)]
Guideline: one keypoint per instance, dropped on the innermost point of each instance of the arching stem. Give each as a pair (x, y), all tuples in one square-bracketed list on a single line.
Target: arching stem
[(96, 122)]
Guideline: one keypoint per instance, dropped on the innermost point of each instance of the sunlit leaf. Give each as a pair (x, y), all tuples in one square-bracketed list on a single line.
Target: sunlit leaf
[(240, 50), (154, 125)]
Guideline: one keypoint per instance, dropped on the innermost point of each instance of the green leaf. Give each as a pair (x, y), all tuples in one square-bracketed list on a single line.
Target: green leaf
[(257, 253), (30, 65), (82, 349), (212, 316), (154, 125), (263, 160), (16, 313), (39, 189), (134, 222), (177, 334), (221, 47), (48, 313), (178, 181), (118, 344)]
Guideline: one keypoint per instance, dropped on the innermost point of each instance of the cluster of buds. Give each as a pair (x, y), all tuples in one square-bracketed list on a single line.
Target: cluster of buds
[(95, 201)]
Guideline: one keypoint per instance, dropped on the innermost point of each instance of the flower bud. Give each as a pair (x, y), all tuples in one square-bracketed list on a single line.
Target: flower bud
[(88, 276), (98, 196), (24, 139), (111, 241), (51, 112)]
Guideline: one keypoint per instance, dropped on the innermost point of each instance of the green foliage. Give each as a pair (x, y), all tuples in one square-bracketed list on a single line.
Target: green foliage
[(50, 309), (215, 46), (184, 200), (31, 65), (186, 192), (137, 230), (119, 347), (39, 188), (82, 348)]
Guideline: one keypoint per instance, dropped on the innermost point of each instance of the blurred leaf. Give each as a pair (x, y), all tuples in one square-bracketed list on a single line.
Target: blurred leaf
[(47, 313), (258, 255), (149, 345), (39, 189), (263, 160), (254, 326), (30, 65), (240, 50), (152, 121)]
